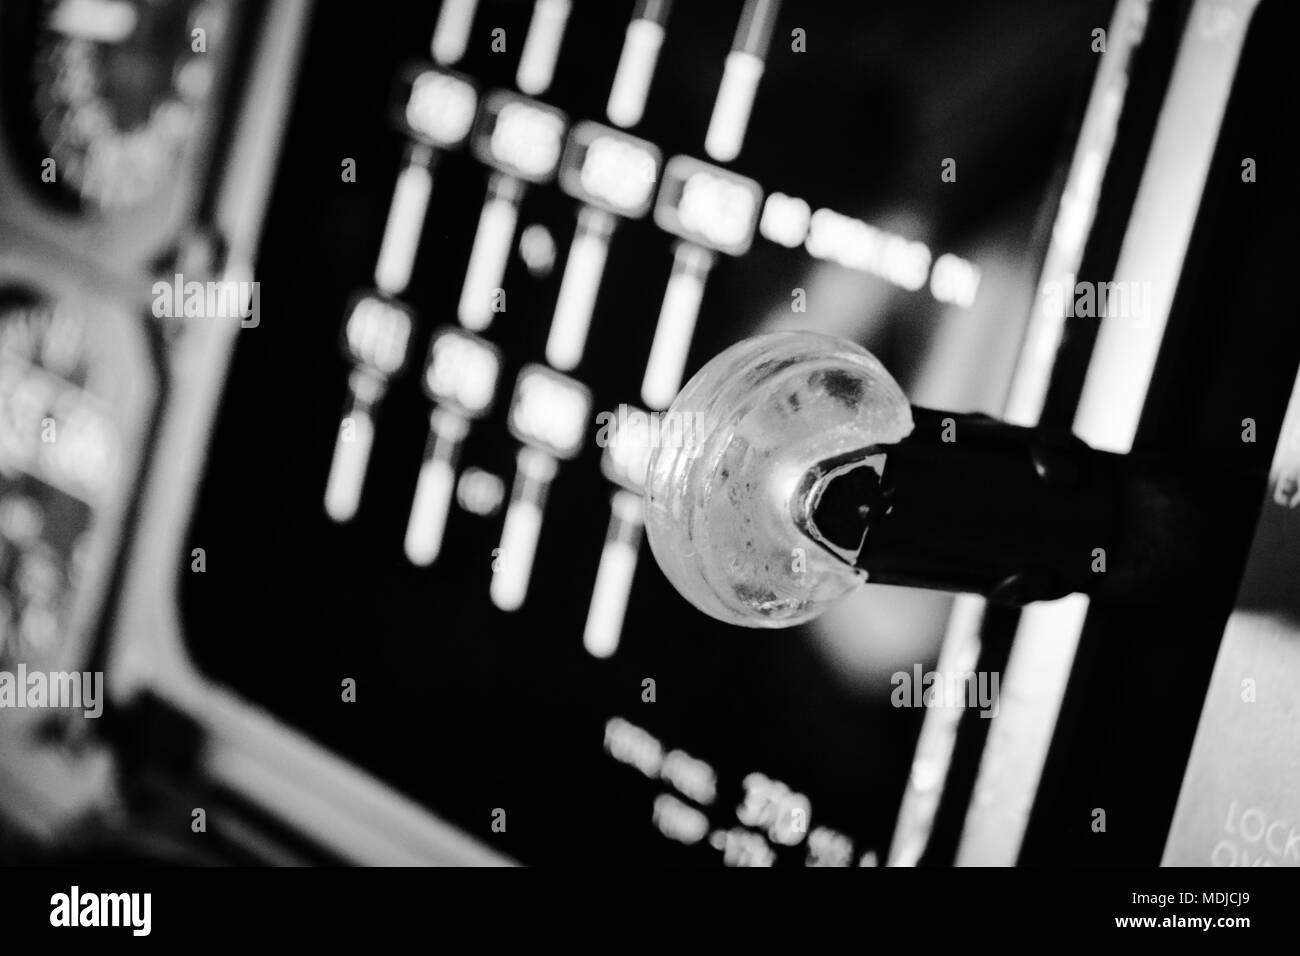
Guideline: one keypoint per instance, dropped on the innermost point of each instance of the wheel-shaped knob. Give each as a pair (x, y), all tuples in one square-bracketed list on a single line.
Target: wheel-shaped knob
[(726, 477)]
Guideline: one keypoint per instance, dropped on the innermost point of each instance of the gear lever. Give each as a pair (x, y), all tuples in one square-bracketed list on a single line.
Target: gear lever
[(791, 468)]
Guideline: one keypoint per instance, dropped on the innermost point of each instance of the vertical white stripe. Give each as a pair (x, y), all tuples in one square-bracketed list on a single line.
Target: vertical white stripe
[(1029, 701), (732, 108), (672, 341), (429, 511), (451, 35), (523, 527), (513, 560), (636, 67), (1164, 212), (402, 234), (348, 467), (542, 46), (609, 598), (959, 653), (614, 577), (577, 299), (487, 261)]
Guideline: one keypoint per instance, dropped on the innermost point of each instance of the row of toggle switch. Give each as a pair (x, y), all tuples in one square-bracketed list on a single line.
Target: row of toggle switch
[(743, 68), (549, 415), (615, 177)]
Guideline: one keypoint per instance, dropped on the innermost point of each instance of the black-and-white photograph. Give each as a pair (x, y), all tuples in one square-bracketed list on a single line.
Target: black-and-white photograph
[(635, 435)]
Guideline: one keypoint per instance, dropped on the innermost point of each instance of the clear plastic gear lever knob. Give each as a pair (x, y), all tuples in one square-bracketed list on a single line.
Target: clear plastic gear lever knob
[(792, 467), (724, 481)]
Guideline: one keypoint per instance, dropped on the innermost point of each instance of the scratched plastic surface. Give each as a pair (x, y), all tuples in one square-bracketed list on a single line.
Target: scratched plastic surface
[(735, 444)]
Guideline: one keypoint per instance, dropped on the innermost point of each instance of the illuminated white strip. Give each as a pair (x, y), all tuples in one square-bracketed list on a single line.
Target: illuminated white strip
[(1168, 199), (95, 21), (351, 455), (523, 528), (402, 234), (348, 467), (636, 67), (735, 102), (451, 35), (429, 511), (542, 46), (487, 260), (518, 548), (614, 577), (959, 653), (677, 316), (433, 490), (578, 290), (1075, 215), (609, 600), (1028, 704)]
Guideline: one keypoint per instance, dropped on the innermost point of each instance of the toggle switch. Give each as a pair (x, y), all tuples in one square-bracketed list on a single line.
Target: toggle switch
[(712, 210), (542, 46), (636, 63), (614, 175), (740, 78), (549, 415), (405, 222), (676, 326), (614, 575), (451, 34), (522, 140), (627, 437), (436, 109), (809, 473), (375, 338), (461, 378)]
